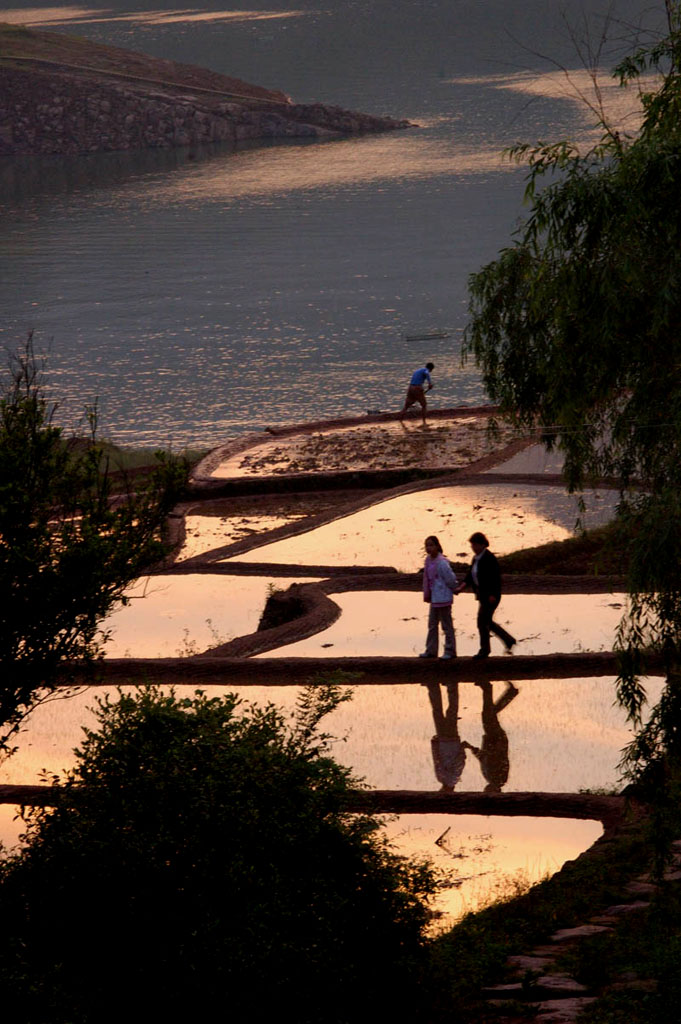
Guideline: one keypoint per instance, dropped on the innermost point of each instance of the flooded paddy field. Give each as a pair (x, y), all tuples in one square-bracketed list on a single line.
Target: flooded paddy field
[(394, 623), (560, 735), (203, 533), (481, 858), (544, 735), (392, 532), (177, 616), (533, 459), (488, 858)]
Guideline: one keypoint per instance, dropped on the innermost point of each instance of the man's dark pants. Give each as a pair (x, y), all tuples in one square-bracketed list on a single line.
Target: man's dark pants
[(487, 625)]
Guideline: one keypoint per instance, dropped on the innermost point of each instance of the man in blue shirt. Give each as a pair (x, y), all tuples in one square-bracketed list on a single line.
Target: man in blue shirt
[(416, 392)]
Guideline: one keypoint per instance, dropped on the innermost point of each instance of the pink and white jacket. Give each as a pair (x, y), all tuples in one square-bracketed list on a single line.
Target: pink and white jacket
[(439, 582)]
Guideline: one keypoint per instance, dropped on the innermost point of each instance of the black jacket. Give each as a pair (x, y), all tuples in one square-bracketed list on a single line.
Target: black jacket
[(489, 577)]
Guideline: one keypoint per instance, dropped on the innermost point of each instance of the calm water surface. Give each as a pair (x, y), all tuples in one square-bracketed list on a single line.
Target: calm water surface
[(199, 298)]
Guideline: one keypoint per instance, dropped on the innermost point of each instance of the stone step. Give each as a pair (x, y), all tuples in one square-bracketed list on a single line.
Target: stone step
[(549, 1011), (621, 909), (549, 986), (525, 962), (582, 931), (561, 1011), (640, 888), (555, 950)]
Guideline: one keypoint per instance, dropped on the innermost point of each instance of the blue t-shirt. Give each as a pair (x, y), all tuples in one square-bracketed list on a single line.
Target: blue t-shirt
[(418, 377)]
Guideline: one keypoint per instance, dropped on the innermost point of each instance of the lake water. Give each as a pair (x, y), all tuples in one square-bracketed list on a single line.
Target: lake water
[(201, 298)]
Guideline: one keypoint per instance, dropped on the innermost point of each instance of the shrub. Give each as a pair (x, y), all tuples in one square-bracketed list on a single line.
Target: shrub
[(199, 864)]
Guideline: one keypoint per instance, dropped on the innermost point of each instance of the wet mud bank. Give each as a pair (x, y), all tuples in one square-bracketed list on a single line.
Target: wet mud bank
[(607, 809), (210, 668), (367, 452)]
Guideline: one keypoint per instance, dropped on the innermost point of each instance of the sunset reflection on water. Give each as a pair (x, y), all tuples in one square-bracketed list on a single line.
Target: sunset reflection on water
[(489, 858), (392, 532), (394, 623)]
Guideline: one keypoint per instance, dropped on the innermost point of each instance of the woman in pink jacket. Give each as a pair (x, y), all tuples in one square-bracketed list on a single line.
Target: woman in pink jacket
[(439, 584)]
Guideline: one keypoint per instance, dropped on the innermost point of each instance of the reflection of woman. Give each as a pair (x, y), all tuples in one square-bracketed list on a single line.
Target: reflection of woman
[(449, 756), (439, 584), (493, 754)]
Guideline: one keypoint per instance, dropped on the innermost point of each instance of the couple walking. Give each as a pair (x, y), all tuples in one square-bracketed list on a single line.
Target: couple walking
[(440, 585)]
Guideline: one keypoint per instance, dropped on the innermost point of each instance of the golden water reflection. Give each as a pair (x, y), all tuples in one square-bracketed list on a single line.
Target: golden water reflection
[(547, 735), (563, 735), (393, 623), (489, 857), (560, 735), (484, 857), (174, 616), (533, 459), (594, 92), (203, 533), (392, 532), (329, 167)]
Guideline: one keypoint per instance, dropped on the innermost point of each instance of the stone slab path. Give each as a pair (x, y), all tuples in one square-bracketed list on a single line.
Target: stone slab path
[(552, 994)]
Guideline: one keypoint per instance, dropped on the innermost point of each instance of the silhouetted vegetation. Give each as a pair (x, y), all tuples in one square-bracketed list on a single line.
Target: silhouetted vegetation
[(576, 329), (71, 540), (199, 865)]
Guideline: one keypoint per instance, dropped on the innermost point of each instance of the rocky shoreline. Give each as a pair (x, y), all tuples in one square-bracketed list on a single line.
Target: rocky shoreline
[(61, 95)]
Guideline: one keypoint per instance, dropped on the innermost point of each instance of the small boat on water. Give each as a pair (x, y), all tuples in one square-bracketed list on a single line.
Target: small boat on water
[(428, 336)]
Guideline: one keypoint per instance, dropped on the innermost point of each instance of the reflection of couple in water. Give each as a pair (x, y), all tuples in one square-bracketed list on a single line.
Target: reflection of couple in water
[(440, 585), (449, 751)]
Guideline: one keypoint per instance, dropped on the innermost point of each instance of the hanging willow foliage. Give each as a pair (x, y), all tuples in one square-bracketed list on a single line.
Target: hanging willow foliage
[(577, 329)]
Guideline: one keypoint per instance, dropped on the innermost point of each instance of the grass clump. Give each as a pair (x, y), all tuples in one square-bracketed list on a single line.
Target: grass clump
[(7, 29), (199, 857), (599, 552)]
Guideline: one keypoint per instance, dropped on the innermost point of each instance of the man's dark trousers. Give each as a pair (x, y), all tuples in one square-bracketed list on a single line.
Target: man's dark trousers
[(487, 625)]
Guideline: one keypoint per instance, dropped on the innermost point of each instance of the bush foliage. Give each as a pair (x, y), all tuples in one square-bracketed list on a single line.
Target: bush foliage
[(576, 329), (70, 542), (199, 864)]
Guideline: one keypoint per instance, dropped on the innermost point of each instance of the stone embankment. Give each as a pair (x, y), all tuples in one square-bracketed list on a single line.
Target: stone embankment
[(78, 104)]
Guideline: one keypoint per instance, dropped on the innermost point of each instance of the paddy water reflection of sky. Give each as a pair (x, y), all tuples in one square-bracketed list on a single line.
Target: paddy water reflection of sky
[(394, 623), (173, 616), (487, 856), (563, 735), (484, 857), (392, 533), (558, 735), (203, 533)]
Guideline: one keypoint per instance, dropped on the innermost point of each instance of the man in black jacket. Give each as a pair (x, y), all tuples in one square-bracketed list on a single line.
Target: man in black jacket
[(484, 576)]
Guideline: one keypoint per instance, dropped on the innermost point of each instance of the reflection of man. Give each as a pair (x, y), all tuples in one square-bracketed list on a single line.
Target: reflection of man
[(493, 754), (416, 392), (449, 755), (484, 576)]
